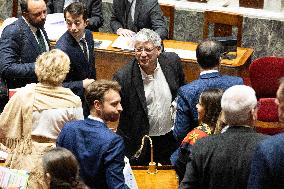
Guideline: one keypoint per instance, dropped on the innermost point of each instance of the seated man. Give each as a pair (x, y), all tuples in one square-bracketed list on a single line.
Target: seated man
[(222, 161), (94, 11), (77, 42), (149, 85), (99, 150), (130, 16), (208, 55)]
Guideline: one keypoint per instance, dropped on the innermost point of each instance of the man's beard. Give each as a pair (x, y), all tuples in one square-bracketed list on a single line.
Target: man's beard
[(37, 25)]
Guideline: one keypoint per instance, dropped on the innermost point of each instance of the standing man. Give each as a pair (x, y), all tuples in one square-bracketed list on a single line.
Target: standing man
[(222, 161), (77, 42), (94, 11), (149, 85), (130, 16), (208, 54), (267, 169), (21, 43), (99, 150)]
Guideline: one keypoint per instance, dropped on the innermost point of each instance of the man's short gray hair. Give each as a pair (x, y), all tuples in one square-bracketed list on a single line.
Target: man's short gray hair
[(148, 35), (237, 103)]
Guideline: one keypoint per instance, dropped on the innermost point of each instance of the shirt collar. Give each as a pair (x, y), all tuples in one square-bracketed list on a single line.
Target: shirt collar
[(81, 38), (95, 118), (208, 71), (145, 75)]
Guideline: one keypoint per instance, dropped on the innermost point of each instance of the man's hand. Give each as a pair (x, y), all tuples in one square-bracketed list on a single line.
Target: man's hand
[(125, 32), (87, 82)]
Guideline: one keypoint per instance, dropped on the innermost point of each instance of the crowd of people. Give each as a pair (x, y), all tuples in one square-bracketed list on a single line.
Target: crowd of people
[(56, 126)]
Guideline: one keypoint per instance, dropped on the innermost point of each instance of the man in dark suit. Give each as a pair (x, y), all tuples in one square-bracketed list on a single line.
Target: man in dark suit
[(222, 161), (149, 84), (208, 55), (99, 150), (267, 168), (94, 11), (21, 43), (77, 42), (130, 16)]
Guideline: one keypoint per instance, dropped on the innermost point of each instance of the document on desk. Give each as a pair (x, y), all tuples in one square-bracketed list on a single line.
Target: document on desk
[(184, 54), (124, 43), (101, 44)]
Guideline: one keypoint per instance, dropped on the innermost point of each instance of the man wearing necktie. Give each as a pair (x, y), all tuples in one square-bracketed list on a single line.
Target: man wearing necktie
[(130, 16), (77, 42), (20, 46)]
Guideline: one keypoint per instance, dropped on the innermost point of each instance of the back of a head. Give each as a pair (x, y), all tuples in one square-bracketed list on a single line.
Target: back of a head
[(76, 8), (237, 104), (211, 101), (62, 167), (149, 35), (208, 54), (52, 67)]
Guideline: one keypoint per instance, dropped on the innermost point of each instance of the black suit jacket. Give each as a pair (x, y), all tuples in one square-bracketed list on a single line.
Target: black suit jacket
[(147, 15), (94, 11), (222, 160), (134, 123)]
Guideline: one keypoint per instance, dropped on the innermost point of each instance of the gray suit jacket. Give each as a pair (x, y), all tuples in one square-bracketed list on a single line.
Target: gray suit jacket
[(222, 160), (18, 52), (147, 15), (134, 123), (94, 11)]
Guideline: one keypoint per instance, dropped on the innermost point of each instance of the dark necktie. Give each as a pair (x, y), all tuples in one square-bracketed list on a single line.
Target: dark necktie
[(84, 45), (41, 42), (130, 23)]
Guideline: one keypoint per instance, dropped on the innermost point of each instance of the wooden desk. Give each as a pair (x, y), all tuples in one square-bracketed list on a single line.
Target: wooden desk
[(109, 60), (165, 178)]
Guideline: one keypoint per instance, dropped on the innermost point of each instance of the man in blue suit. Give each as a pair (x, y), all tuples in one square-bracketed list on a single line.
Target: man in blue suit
[(99, 150), (208, 55), (77, 42), (21, 43), (267, 168)]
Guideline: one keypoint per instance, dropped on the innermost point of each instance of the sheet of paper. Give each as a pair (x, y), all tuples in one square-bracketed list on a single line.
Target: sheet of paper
[(184, 54), (55, 26), (124, 43), (102, 44)]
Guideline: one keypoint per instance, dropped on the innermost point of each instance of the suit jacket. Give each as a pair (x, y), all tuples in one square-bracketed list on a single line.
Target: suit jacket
[(100, 152), (94, 11), (267, 167), (147, 15), (80, 67), (18, 52), (222, 160), (188, 96), (134, 123)]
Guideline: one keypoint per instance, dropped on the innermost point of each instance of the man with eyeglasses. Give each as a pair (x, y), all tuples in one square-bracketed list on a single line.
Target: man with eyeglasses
[(22, 42), (149, 85)]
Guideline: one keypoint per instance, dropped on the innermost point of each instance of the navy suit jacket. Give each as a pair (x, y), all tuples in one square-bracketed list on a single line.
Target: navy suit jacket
[(267, 167), (80, 67), (18, 52), (100, 152), (134, 123), (94, 11), (223, 160), (188, 96), (147, 15)]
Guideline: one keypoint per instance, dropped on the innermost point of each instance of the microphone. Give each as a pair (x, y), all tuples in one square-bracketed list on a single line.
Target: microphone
[(152, 165)]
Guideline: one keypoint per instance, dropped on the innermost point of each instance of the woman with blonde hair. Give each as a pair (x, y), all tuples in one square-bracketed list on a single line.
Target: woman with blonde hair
[(35, 115)]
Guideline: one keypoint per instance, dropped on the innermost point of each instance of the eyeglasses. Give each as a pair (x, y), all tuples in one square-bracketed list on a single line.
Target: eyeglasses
[(147, 50)]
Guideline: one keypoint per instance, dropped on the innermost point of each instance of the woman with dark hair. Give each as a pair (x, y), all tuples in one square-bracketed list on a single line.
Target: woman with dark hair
[(209, 111), (61, 168)]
